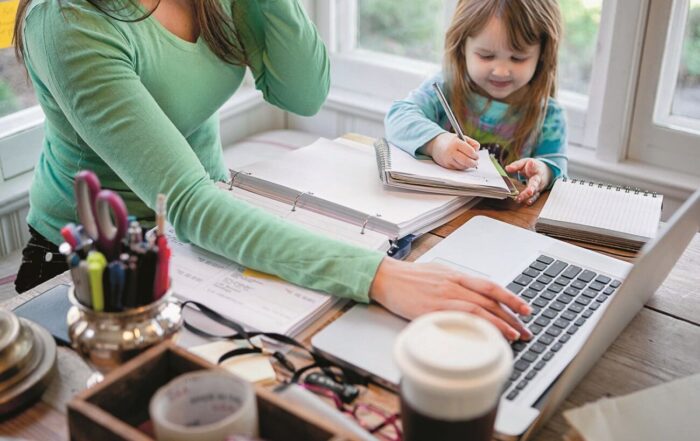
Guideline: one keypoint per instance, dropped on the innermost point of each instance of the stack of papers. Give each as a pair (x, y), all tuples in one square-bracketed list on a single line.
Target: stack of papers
[(339, 179), (665, 412)]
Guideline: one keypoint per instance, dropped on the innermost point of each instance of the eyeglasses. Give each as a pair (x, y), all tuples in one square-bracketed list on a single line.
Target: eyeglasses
[(373, 419), (205, 322)]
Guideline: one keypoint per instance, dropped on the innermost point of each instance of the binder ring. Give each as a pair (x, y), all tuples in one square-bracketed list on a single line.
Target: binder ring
[(364, 225), (296, 200), (233, 178)]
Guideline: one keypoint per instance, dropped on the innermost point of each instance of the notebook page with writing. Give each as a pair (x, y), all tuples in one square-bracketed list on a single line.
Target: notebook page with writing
[(342, 178), (258, 301), (485, 175), (620, 212)]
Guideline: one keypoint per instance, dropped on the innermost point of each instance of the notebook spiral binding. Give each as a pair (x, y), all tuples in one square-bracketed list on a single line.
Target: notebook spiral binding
[(381, 149), (626, 189)]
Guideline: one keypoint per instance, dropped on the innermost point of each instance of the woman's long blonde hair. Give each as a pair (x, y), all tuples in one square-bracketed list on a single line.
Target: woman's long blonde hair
[(528, 22)]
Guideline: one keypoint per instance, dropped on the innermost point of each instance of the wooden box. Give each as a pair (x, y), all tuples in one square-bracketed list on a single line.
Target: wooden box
[(117, 408)]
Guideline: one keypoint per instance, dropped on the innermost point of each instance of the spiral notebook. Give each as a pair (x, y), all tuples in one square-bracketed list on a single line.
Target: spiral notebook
[(337, 180), (400, 170), (601, 214)]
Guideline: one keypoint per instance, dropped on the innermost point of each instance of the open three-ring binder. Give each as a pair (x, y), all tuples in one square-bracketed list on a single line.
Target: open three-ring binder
[(331, 187)]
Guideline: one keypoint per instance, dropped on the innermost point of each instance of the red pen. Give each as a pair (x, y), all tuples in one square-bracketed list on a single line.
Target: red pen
[(162, 268), (162, 281), (68, 233)]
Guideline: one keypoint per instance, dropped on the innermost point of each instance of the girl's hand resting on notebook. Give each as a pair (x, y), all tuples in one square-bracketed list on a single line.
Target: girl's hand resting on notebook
[(451, 152), (538, 175), (412, 289)]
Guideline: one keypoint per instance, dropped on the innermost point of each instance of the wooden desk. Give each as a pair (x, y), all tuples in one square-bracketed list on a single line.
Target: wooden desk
[(659, 345)]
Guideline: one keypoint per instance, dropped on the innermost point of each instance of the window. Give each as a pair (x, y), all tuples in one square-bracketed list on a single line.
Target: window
[(666, 122), (16, 92), (390, 27), (20, 118), (577, 51), (385, 32), (686, 99)]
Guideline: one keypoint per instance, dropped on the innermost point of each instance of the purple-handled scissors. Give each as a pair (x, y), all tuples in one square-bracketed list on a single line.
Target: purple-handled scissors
[(94, 205)]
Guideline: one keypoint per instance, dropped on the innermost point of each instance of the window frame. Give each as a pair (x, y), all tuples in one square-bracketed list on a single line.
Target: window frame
[(657, 136)]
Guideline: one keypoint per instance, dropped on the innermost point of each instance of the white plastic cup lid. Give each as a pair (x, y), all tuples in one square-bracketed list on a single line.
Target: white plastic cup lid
[(453, 364)]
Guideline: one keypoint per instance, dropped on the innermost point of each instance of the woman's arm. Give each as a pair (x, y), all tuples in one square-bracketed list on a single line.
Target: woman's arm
[(87, 66), (286, 55)]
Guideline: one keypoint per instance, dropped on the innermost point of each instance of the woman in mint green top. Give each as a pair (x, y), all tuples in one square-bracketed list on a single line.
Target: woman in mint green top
[(135, 100)]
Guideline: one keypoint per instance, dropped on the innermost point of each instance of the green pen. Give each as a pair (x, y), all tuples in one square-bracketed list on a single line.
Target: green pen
[(96, 263)]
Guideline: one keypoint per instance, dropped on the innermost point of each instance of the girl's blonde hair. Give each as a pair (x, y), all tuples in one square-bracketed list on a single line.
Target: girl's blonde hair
[(528, 22)]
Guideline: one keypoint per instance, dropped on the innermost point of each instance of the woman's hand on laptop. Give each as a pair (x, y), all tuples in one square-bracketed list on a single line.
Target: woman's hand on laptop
[(412, 289)]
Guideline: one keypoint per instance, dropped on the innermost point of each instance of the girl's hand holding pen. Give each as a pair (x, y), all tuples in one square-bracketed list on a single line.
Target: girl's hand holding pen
[(451, 152), (412, 289), (538, 177)]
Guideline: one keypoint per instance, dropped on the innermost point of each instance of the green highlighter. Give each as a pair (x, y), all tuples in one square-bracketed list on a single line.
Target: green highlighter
[(509, 182), (96, 263)]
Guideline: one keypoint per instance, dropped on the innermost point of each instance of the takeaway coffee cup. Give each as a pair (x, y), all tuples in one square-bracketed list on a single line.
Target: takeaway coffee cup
[(453, 366)]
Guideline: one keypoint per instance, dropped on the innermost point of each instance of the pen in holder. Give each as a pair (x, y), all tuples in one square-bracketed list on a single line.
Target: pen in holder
[(105, 340), (121, 285)]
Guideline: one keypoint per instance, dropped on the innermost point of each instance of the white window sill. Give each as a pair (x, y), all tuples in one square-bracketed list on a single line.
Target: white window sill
[(14, 193), (583, 161)]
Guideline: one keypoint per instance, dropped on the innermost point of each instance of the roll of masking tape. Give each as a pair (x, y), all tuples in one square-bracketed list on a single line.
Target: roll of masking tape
[(206, 405)]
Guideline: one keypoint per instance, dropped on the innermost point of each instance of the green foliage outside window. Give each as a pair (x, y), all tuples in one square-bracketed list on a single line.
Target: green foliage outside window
[(8, 101), (689, 74), (576, 53), (412, 29)]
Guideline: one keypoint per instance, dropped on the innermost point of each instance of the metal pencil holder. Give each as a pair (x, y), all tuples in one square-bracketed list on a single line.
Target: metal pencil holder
[(105, 340)]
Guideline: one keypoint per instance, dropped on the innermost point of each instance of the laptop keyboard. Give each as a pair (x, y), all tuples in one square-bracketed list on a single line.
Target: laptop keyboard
[(562, 296)]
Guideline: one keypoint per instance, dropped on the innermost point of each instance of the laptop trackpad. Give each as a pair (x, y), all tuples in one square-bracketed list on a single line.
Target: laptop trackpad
[(364, 338), (461, 268)]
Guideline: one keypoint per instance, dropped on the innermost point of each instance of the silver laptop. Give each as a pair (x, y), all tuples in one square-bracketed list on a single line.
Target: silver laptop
[(581, 300)]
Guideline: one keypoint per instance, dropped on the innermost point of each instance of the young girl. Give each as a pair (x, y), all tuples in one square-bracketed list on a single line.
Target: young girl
[(499, 75), (131, 89)]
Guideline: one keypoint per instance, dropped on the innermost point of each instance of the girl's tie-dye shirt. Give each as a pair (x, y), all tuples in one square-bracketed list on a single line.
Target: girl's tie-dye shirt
[(414, 121)]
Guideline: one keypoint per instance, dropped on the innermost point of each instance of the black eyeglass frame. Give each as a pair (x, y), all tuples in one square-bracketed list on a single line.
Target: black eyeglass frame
[(338, 373)]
